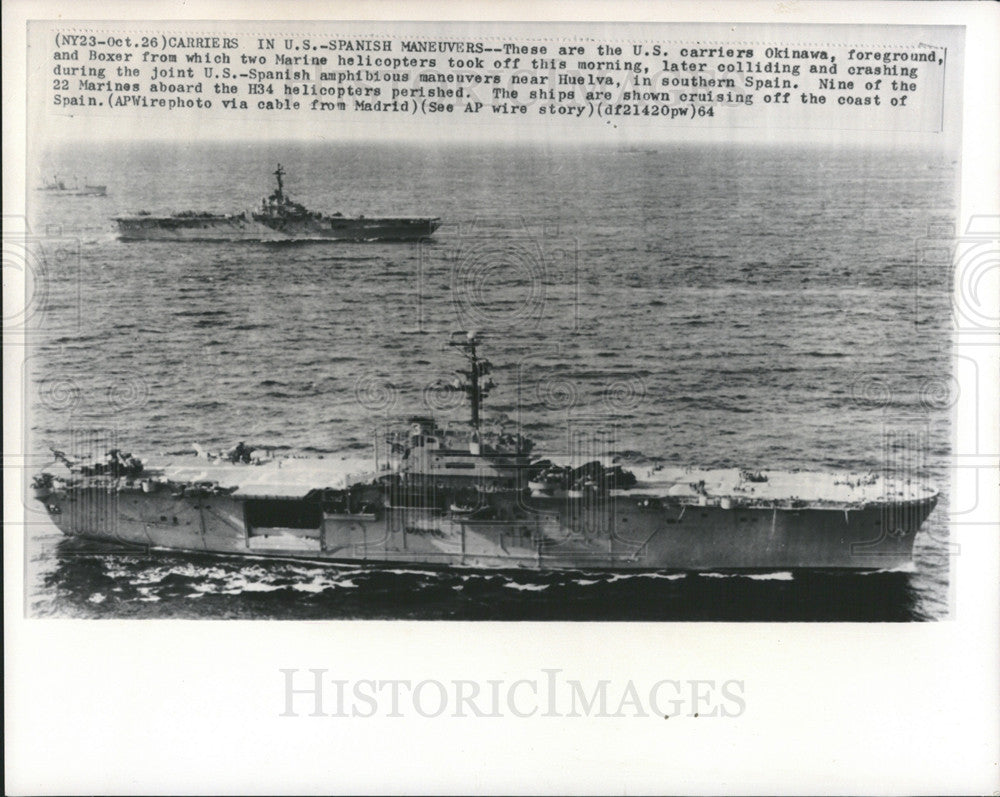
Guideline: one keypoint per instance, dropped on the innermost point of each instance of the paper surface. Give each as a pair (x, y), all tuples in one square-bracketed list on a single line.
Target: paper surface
[(137, 100)]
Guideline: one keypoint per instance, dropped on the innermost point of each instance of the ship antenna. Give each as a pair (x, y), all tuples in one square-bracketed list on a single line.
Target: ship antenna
[(474, 394), (475, 387), (279, 173)]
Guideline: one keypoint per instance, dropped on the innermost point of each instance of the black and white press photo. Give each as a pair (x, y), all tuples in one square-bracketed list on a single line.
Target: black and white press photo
[(666, 368), (625, 340)]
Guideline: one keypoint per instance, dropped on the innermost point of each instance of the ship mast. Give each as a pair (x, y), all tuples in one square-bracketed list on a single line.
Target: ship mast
[(279, 194), (475, 382)]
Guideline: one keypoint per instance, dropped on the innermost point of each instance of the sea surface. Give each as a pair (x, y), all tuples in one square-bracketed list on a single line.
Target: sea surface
[(763, 307)]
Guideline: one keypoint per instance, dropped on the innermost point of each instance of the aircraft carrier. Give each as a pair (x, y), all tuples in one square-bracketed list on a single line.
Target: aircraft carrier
[(480, 497), (278, 218)]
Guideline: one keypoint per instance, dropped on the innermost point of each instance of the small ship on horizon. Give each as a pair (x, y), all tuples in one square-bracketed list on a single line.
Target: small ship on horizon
[(59, 187), (278, 218), (480, 498)]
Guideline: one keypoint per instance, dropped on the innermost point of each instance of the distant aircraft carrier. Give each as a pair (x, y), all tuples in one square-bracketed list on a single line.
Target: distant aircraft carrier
[(277, 219)]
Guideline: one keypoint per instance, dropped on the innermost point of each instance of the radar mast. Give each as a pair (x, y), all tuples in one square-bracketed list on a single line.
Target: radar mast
[(475, 381), (280, 193)]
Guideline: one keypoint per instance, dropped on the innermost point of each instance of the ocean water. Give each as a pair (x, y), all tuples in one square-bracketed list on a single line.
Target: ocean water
[(763, 307)]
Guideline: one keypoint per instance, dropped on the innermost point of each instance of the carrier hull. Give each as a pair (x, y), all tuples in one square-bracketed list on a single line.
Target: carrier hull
[(245, 228), (620, 533)]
